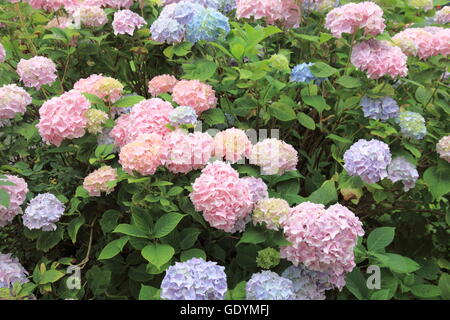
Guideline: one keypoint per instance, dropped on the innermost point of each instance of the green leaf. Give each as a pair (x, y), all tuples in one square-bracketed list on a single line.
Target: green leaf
[(382, 294), (326, 194), (166, 224), (4, 198), (282, 111), (109, 220), (338, 138), (398, 263), (306, 121), (130, 230), (438, 181), (322, 70), (158, 254), (317, 102), (444, 285), (239, 293), (252, 236), (188, 237), (81, 192), (201, 70), (74, 226), (50, 276), (423, 95), (192, 253), (349, 82), (380, 238), (214, 116), (128, 101), (149, 293), (113, 248), (425, 291), (356, 284), (49, 239)]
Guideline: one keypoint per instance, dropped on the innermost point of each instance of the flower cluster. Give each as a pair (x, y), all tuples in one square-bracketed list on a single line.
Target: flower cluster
[(161, 84), (188, 152), (208, 25), (182, 115), (368, 160), (232, 144), (308, 284), (90, 16), (222, 196), (95, 119), (37, 71), (11, 271), (13, 100), (125, 21), (2, 53), (195, 279), (267, 285), (51, 5), (43, 212), (63, 117), (443, 148), (106, 88), (98, 181), (323, 240), (380, 109), (402, 170), (270, 212), (195, 94), (279, 62), (257, 188), (117, 4), (443, 15), (302, 73), (353, 16), (17, 191), (379, 58), (268, 258), (144, 155), (274, 156), (412, 124), (286, 12)]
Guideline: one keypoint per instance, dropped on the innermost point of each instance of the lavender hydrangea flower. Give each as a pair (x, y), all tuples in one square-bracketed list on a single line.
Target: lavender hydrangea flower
[(167, 30), (207, 25), (412, 124), (11, 271), (268, 285), (308, 284), (380, 109), (257, 187), (43, 212), (402, 170), (302, 73), (194, 279), (368, 160), (183, 11), (182, 115)]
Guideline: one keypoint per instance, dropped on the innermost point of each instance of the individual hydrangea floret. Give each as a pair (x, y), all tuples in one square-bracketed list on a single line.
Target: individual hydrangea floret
[(63, 117), (161, 84), (308, 284), (207, 25), (95, 119), (125, 21), (11, 271), (322, 240), (37, 71), (368, 160), (106, 88), (379, 58), (194, 279), (443, 148), (270, 212), (402, 170), (412, 125), (380, 109), (182, 116), (43, 212), (268, 258), (274, 156), (222, 196), (13, 100), (302, 73), (267, 285), (195, 94), (98, 181), (257, 187), (16, 193), (232, 144)]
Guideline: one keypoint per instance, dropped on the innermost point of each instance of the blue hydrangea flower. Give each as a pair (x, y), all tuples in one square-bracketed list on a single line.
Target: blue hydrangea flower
[(208, 25), (308, 284), (402, 170), (412, 124), (368, 160), (380, 109), (182, 115), (268, 285), (302, 73), (167, 30), (194, 279)]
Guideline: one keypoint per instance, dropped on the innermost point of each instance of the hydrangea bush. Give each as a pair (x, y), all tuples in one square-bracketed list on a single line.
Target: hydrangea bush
[(224, 149)]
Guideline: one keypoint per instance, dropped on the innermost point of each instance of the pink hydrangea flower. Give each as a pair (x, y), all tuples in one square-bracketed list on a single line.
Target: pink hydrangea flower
[(188, 152), (120, 131), (232, 144), (117, 4), (61, 22), (322, 240), (63, 117), (285, 11), (274, 156), (195, 94), (97, 182), (379, 58), (51, 5), (125, 21), (90, 16), (37, 71), (443, 148), (106, 88), (17, 194), (13, 100), (161, 84), (443, 15), (222, 196), (144, 155), (2, 53), (353, 16)]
